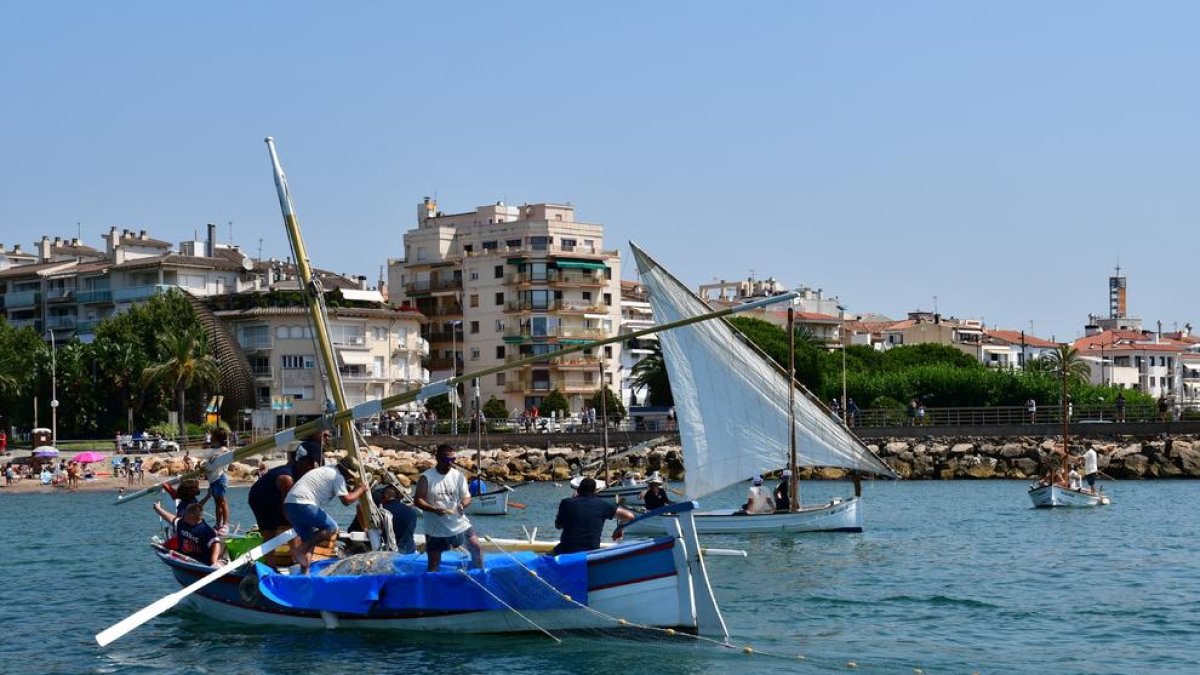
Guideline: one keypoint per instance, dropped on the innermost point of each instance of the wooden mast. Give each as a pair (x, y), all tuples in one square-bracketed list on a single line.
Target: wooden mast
[(793, 469), (604, 418), (1066, 416), (324, 345)]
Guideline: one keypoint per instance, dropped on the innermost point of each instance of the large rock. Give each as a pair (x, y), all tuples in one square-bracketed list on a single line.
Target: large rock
[(1011, 450), (974, 466), (1188, 458), (1135, 464), (1025, 466), (962, 448)]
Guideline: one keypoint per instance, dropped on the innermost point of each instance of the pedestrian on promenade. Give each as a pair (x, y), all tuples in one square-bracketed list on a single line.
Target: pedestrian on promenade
[(1031, 410), (1120, 407)]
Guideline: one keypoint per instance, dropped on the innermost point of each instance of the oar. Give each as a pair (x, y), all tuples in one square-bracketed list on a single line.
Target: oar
[(126, 625), (517, 505)]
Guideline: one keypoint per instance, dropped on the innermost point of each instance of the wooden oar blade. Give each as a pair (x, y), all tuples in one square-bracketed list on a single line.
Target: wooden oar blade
[(126, 625), (517, 505)]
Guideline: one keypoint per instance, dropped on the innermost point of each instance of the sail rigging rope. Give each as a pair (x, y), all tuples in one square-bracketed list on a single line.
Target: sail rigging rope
[(510, 608)]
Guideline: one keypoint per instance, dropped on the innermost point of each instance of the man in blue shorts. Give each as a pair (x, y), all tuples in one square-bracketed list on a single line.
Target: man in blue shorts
[(218, 481), (304, 501)]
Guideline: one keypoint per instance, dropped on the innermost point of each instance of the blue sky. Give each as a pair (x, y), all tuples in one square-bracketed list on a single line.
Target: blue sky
[(1003, 157)]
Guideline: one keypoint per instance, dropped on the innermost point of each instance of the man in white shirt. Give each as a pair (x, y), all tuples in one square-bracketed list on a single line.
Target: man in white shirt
[(443, 495), (218, 481), (1091, 467), (304, 501), (758, 501)]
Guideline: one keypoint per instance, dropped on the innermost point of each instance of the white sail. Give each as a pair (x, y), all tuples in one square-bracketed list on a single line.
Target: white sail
[(731, 403)]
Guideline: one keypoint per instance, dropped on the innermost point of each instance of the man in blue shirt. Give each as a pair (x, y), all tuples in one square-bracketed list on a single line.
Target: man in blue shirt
[(581, 519)]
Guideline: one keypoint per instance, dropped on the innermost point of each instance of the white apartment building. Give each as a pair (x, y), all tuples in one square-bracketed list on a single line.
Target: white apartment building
[(502, 283), (636, 314), (378, 349)]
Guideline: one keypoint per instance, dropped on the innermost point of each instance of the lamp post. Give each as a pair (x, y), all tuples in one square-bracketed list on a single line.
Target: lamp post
[(53, 391), (454, 373), (845, 343)]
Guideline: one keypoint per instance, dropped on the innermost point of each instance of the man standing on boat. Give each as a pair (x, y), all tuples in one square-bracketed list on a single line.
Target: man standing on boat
[(1091, 467), (268, 493), (218, 480), (443, 495), (581, 519), (304, 501)]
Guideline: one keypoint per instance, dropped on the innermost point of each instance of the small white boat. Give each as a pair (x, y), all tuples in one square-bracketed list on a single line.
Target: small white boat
[(1048, 496), (838, 515), (492, 503)]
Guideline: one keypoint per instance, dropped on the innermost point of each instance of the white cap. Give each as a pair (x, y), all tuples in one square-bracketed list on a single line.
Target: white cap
[(757, 480)]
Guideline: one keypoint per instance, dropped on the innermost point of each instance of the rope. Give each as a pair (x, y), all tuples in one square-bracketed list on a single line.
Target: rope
[(508, 606)]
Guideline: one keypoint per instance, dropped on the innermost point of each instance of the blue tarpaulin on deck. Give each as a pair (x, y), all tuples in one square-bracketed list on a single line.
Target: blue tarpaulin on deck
[(411, 588)]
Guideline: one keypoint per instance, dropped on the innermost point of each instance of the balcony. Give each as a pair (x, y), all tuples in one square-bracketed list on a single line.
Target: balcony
[(432, 285), (99, 295), (350, 340), (135, 293), (451, 310), (18, 324), (446, 336), (59, 294), (87, 325), (265, 373), (568, 362), (254, 343), (557, 278), (60, 323), (17, 299), (441, 364), (530, 386)]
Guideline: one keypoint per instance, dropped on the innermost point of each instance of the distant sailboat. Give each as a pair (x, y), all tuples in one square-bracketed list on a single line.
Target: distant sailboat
[(732, 405)]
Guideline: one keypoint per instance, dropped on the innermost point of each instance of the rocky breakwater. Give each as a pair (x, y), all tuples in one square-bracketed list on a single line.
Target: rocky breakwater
[(1023, 458)]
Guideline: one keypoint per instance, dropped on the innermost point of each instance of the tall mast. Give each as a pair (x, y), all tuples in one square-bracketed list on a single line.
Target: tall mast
[(793, 477), (319, 320), (478, 434), (1066, 417), (604, 417)]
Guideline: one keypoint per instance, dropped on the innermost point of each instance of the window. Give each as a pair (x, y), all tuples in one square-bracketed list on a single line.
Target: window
[(491, 245), (538, 272), (468, 248), (260, 366), (500, 299), (608, 299), (379, 332), (474, 275), (474, 353), (281, 332), (513, 243), (297, 361), (474, 300), (501, 379), (539, 243), (498, 271), (474, 326), (568, 244), (608, 351), (499, 325), (587, 296), (500, 351), (421, 254)]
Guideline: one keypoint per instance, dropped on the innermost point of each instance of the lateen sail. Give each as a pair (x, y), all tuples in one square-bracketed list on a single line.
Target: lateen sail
[(731, 404)]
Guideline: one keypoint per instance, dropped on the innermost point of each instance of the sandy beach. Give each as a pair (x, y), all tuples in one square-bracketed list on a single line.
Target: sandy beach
[(101, 483)]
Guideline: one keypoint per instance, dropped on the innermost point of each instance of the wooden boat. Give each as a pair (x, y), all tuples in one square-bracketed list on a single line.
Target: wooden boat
[(490, 503), (659, 582), (838, 515), (739, 416), (1049, 496)]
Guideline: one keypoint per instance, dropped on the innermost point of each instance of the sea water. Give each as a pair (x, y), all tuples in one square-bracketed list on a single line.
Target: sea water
[(949, 577)]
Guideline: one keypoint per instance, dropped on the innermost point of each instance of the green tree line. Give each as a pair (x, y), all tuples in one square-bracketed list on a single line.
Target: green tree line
[(937, 375), (142, 364)]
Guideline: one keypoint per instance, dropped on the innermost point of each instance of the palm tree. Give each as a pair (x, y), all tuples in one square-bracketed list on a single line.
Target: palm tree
[(1065, 358), (651, 373), (183, 364)]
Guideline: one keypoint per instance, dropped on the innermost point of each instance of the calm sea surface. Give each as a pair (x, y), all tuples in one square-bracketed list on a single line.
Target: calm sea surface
[(955, 577)]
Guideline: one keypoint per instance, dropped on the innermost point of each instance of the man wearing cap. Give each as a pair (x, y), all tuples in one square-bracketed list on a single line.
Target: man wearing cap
[(268, 492), (783, 491), (654, 496), (757, 500), (443, 495), (314, 446), (303, 503), (581, 519)]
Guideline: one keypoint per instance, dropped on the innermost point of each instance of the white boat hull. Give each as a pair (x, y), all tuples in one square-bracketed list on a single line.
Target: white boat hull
[(1049, 496), (839, 515), (489, 503)]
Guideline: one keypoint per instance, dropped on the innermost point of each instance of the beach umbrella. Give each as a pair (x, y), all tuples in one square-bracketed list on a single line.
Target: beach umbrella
[(46, 451), (89, 457)]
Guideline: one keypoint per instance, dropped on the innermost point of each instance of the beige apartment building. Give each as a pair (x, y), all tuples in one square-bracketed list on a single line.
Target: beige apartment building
[(378, 349), (502, 283)]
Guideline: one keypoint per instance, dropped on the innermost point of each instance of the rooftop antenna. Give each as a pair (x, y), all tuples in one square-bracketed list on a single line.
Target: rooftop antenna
[(78, 230), (260, 249), (230, 223), (935, 304)]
